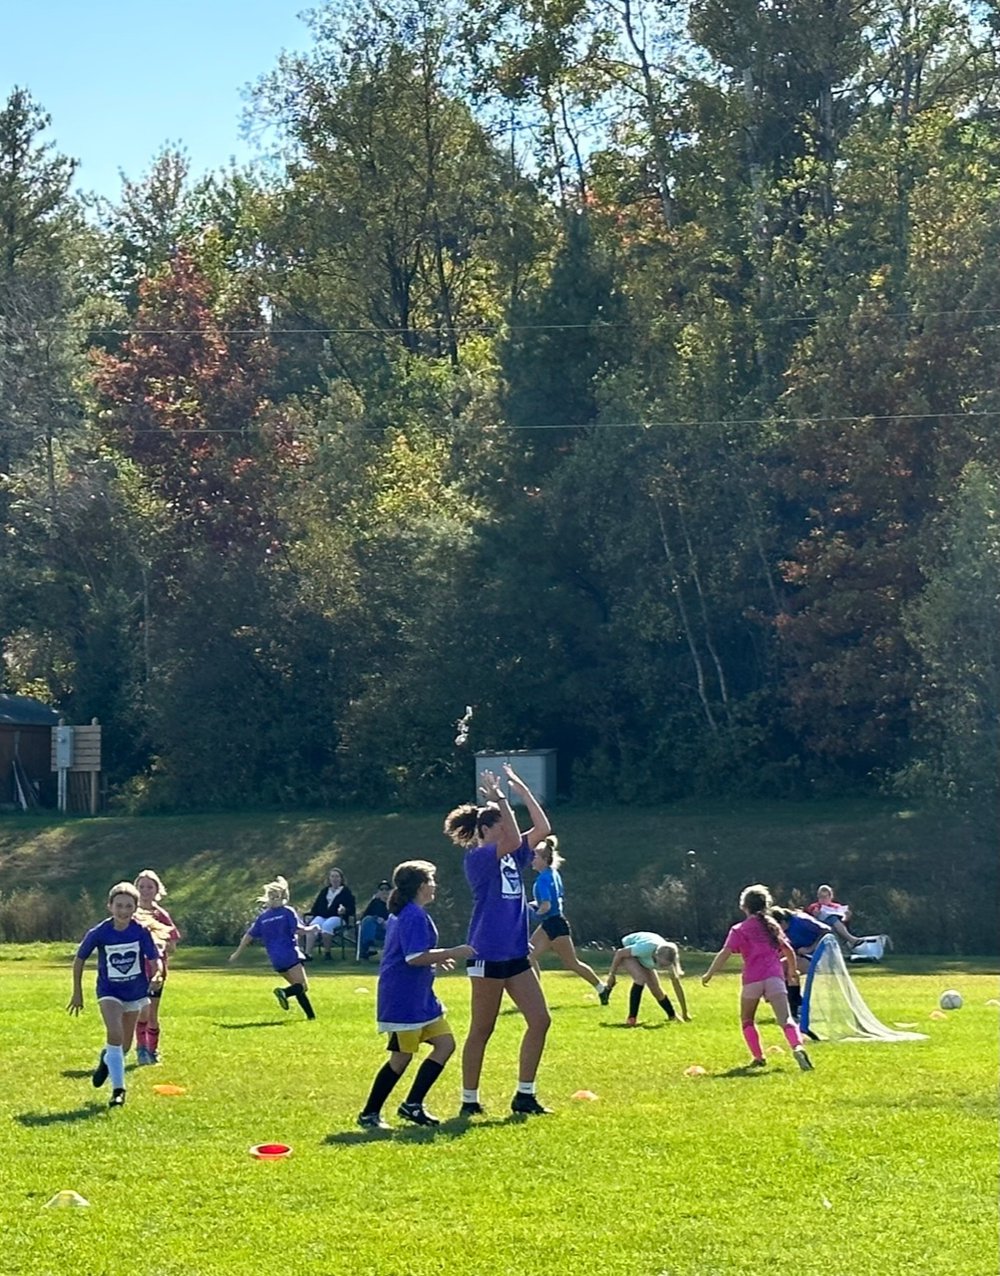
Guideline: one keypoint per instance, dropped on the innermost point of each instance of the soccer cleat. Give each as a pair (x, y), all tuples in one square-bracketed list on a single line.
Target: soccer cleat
[(282, 997), (758, 1063), (803, 1060), (604, 995), (152, 1056), (631, 1021), (471, 1110), (142, 1056), (416, 1113), (117, 1099), (528, 1105), (373, 1121), (100, 1073)]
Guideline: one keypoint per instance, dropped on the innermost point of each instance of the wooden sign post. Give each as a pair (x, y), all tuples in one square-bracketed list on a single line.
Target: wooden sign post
[(77, 749)]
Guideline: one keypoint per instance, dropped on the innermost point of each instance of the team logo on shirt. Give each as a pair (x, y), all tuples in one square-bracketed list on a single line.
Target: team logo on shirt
[(510, 878), (123, 960)]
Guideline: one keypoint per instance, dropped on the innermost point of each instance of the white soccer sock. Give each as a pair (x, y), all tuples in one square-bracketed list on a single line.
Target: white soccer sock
[(470, 1096), (601, 986), (526, 1087), (115, 1059)]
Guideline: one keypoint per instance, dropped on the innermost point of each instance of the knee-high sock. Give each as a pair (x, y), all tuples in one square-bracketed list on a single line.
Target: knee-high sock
[(382, 1087), (140, 1034), (427, 1074), (668, 1008), (792, 1034), (634, 997), (794, 999), (114, 1057), (298, 991), (752, 1037), (152, 1037)]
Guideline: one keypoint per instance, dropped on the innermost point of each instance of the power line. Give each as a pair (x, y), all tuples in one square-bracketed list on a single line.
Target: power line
[(677, 423)]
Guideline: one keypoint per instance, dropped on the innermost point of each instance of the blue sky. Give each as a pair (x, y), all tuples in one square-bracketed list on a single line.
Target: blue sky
[(122, 79)]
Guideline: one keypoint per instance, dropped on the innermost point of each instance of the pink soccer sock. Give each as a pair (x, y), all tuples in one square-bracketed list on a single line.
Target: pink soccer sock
[(752, 1037), (152, 1038), (140, 1034), (792, 1035)]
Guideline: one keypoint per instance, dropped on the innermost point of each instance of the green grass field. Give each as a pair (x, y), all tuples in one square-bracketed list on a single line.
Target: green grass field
[(881, 1161)]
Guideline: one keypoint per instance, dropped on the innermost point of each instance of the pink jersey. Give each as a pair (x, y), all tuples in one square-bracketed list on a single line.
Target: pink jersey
[(761, 957)]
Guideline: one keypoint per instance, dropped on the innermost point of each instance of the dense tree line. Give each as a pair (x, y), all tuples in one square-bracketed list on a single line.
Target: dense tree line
[(625, 370)]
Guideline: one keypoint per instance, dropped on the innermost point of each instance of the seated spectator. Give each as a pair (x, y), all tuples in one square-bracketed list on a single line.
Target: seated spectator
[(332, 908), (825, 908), (371, 924)]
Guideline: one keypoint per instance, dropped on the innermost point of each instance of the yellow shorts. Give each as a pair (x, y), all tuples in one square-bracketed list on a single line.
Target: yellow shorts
[(408, 1042)]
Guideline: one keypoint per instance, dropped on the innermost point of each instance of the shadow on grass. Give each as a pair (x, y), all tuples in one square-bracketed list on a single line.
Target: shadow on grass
[(255, 1023), (36, 1120), (639, 1027), (744, 1070), (454, 1129)]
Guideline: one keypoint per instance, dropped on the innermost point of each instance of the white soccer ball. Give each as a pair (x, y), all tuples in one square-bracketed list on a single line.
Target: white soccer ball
[(950, 1000)]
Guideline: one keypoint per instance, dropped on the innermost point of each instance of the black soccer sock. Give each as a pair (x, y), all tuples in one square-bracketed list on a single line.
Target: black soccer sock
[(668, 1007), (382, 1087), (302, 997), (427, 1074), (634, 997), (794, 1000)]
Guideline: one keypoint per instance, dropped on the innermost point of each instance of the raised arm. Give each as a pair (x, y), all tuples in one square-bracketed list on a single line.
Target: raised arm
[(508, 834), (540, 826)]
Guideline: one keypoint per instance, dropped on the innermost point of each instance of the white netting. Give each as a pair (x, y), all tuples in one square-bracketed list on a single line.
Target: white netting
[(832, 1007)]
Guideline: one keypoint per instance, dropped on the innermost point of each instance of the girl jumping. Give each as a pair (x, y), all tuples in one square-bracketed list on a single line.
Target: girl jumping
[(765, 950), (408, 1008), (554, 930), (496, 855), (277, 926), (125, 952)]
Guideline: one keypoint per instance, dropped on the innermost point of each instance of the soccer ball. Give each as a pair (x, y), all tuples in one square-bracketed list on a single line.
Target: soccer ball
[(950, 1000)]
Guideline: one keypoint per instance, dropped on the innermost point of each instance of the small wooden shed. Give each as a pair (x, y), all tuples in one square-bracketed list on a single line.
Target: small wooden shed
[(25, 750)]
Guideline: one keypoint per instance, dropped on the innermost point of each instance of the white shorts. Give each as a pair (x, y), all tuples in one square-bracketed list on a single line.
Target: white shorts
[(327, 925), (766, 988), (127, 1006)]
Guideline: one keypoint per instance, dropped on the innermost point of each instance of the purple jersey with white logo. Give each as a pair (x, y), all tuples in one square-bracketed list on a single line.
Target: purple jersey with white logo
[(406, 998), (498, 930), (121, 959), (277, 929)]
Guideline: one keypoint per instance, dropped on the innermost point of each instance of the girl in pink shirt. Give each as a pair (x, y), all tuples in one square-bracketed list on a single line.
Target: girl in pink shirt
[(767, 958)]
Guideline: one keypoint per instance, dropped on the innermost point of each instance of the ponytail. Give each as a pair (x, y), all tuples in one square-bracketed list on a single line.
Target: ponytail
[(466, 822), (407, 879), (758, 903)]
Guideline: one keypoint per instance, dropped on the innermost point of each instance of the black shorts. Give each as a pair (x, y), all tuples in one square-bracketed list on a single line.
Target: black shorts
[(497, 969), (556, 927)]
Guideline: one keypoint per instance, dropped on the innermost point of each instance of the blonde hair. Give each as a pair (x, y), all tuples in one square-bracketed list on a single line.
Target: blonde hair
[(275, 893), (153, 876), (162, 935), (123, 888), (548, 849), (668, 957)]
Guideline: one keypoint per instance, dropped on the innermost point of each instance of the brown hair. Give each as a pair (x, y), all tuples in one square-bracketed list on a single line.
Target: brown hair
[(407, 879), (758, 903), (465, 823)]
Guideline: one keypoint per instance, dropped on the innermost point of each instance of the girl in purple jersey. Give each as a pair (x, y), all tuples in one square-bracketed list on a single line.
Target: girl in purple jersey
[(408, 1008), (495, 858), (126, 954), (278, 927), (768, 959)]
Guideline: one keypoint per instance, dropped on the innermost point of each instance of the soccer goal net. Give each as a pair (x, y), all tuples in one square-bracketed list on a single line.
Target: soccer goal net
[(832, 1007)]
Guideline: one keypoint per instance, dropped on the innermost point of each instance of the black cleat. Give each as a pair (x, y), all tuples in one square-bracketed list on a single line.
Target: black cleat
[(528, 1105), (471, 1110), (100, 1073), (282, 997), (416, 1113), (373, 1121), (604, 997), (117, 1099)]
